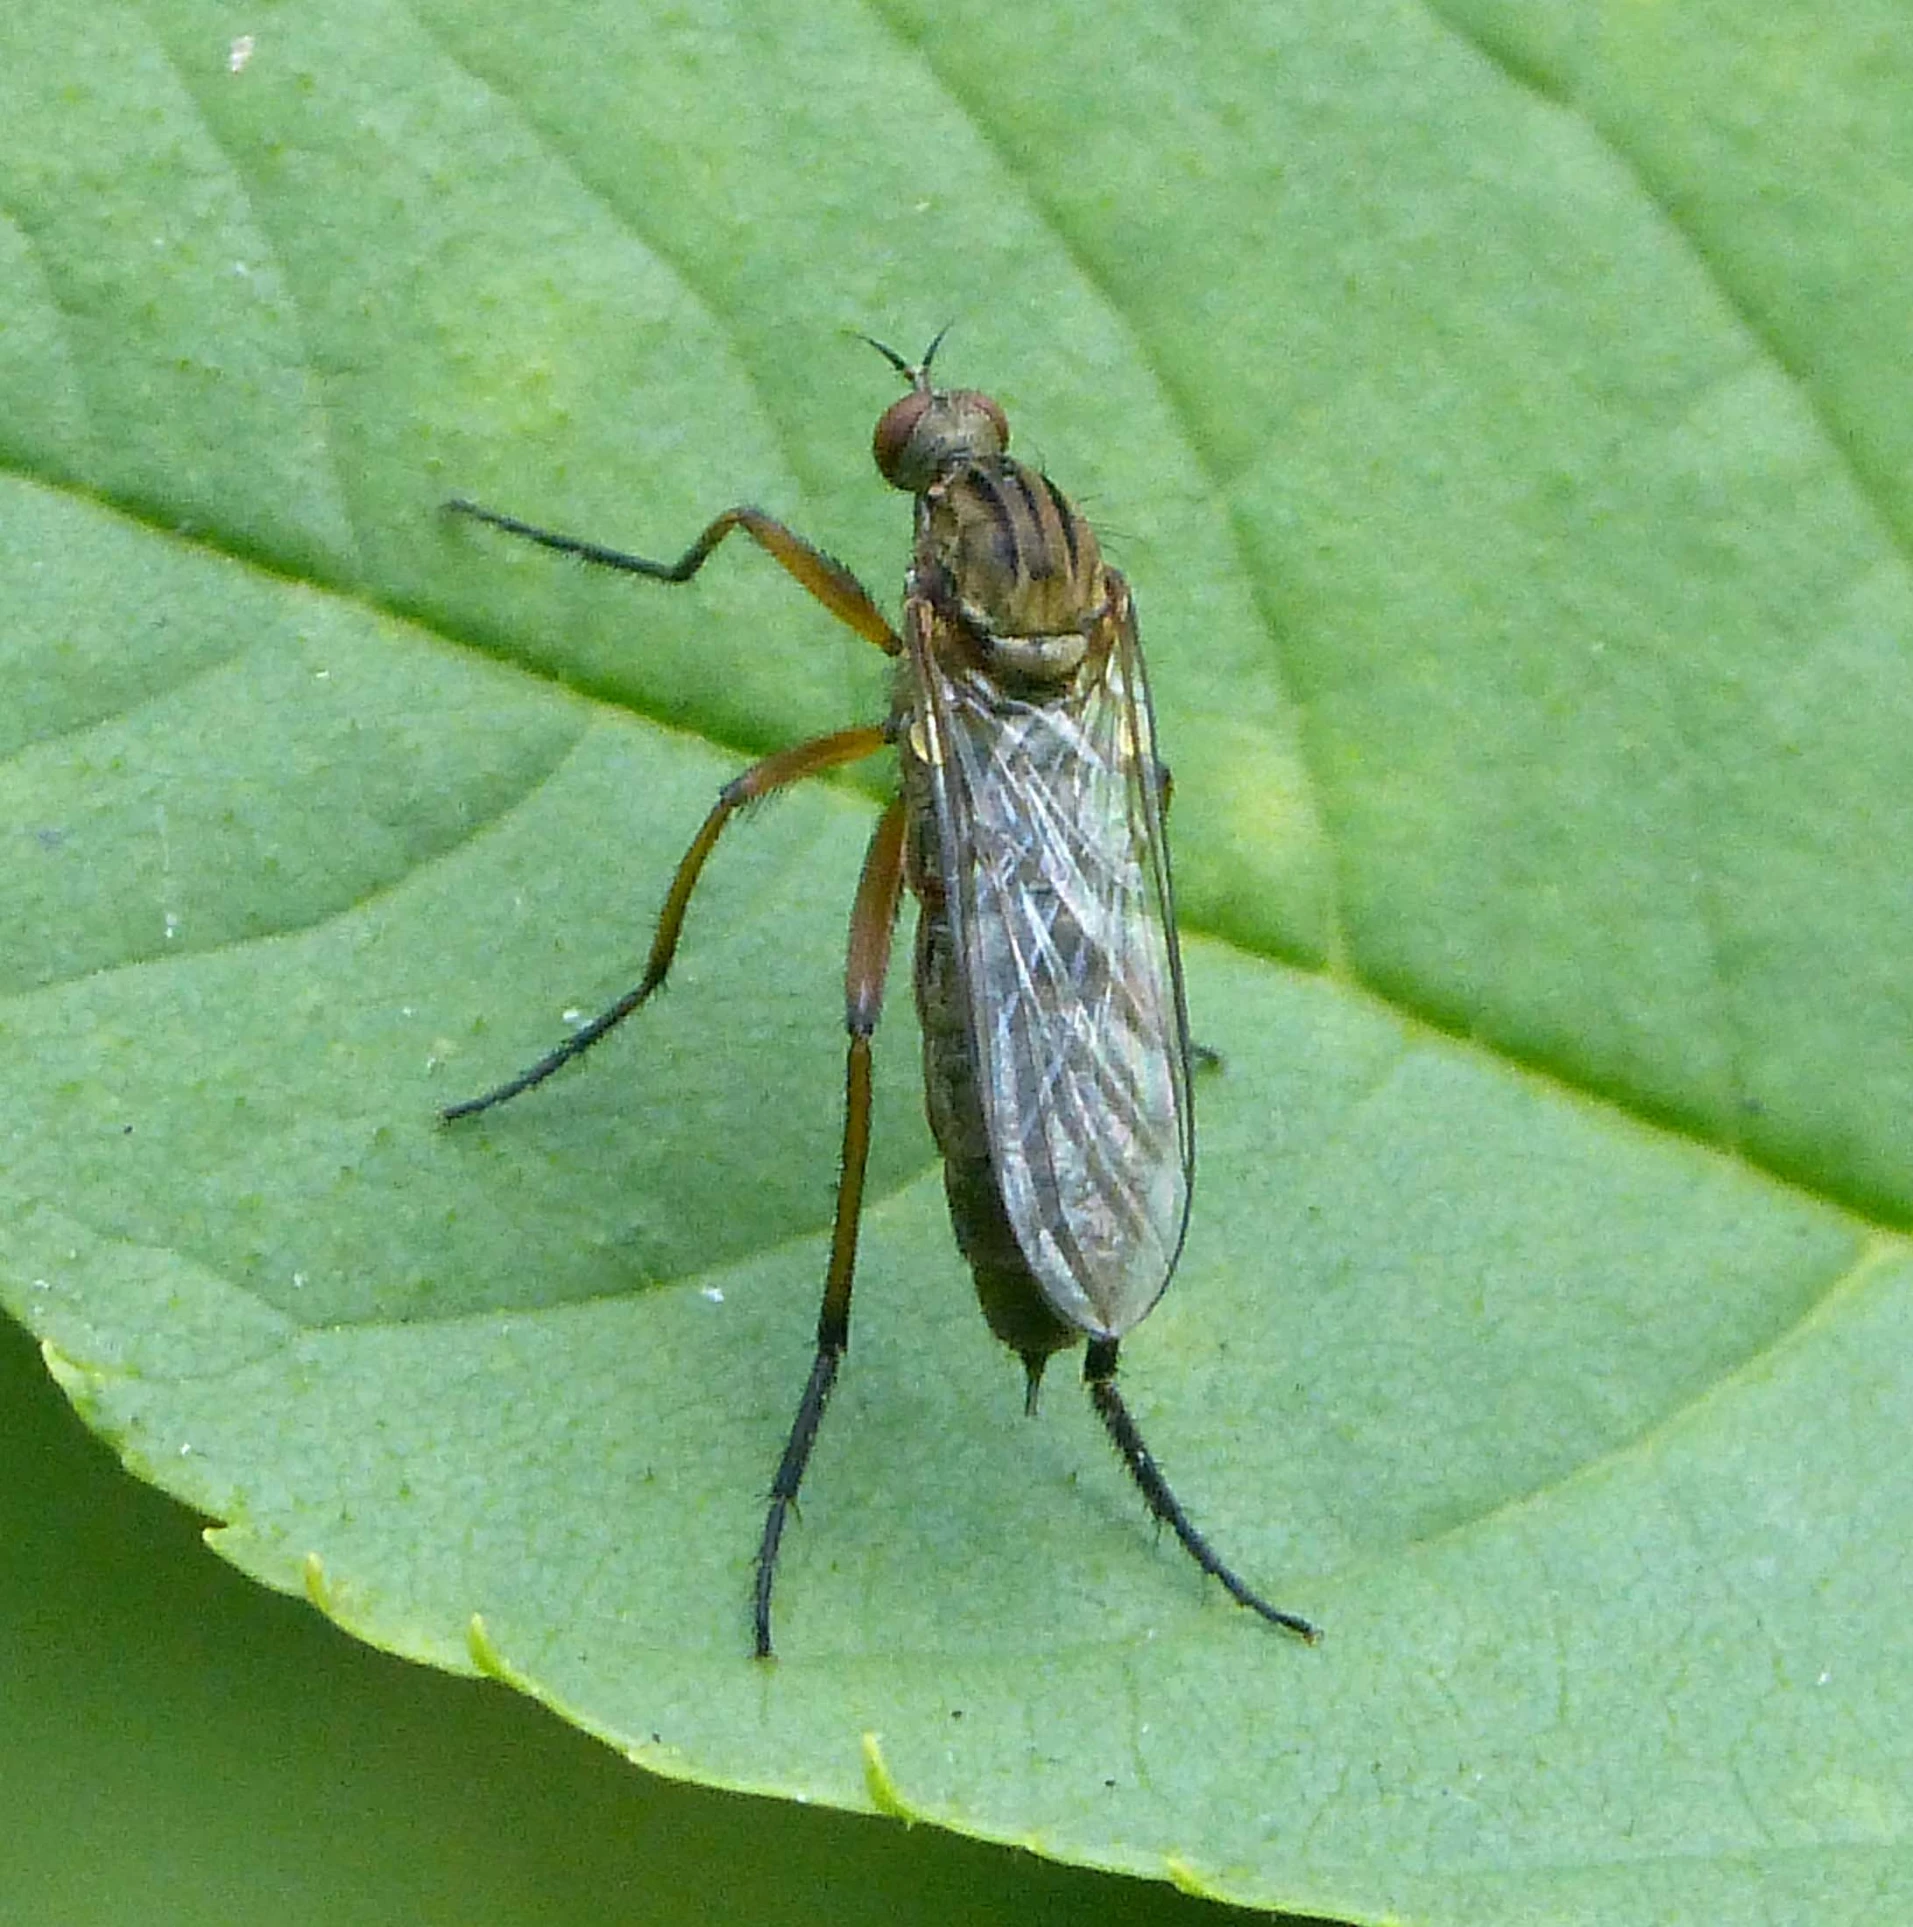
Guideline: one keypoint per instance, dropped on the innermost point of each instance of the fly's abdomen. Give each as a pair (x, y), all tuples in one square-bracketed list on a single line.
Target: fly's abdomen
[(1012, 1300)]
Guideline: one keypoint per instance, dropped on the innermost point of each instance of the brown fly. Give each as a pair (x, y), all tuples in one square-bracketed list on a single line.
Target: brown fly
[(1029, 826)]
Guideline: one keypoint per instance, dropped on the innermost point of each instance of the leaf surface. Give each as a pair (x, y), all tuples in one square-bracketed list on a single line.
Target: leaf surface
[(1499, 421)]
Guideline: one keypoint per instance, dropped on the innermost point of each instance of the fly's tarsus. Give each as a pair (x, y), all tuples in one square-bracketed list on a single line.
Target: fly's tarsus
[(580, 1041), (1099, 1374), (594, 552)]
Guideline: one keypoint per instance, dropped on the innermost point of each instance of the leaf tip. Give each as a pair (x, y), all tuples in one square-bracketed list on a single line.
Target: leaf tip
[(1185, 1879), (885, 1795), (484, 1654)]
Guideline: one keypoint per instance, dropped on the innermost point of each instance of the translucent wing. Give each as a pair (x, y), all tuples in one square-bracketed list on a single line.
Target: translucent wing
[(1057, 879)]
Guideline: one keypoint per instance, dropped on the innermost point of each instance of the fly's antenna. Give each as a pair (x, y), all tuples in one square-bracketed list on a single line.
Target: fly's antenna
[(930, 353), (889, 354), (917, 375)]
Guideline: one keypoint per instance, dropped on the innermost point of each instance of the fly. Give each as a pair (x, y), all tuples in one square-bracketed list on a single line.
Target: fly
[(1029, 827)]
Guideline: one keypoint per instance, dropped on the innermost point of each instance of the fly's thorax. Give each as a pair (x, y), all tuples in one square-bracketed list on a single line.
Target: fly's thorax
[(1009, 561)]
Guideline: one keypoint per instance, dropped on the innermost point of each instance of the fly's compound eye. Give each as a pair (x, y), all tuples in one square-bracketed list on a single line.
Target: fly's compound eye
[(891, 443), (929, 432)]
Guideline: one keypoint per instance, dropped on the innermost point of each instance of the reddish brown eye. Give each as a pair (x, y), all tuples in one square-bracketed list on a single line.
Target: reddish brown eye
[(894, 429)]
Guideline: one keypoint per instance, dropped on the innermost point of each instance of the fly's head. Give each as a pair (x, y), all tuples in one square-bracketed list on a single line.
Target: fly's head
[(933, 430)]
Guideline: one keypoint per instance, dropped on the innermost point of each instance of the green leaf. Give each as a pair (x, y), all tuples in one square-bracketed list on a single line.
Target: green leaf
[(1499, 417)]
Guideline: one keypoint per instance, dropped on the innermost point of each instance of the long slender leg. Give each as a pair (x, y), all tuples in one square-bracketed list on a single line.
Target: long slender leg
[(823, 575), (872, 919), (1099, 1374), (774, 772)]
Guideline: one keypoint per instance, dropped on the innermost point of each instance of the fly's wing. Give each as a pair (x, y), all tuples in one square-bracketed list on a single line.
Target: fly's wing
[(1056, 873)]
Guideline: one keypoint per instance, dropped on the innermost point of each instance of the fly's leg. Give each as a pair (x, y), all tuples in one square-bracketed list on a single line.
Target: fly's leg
[(872, 919), (773, 773), (1099, 1374), (844, 596), (823, 575)]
